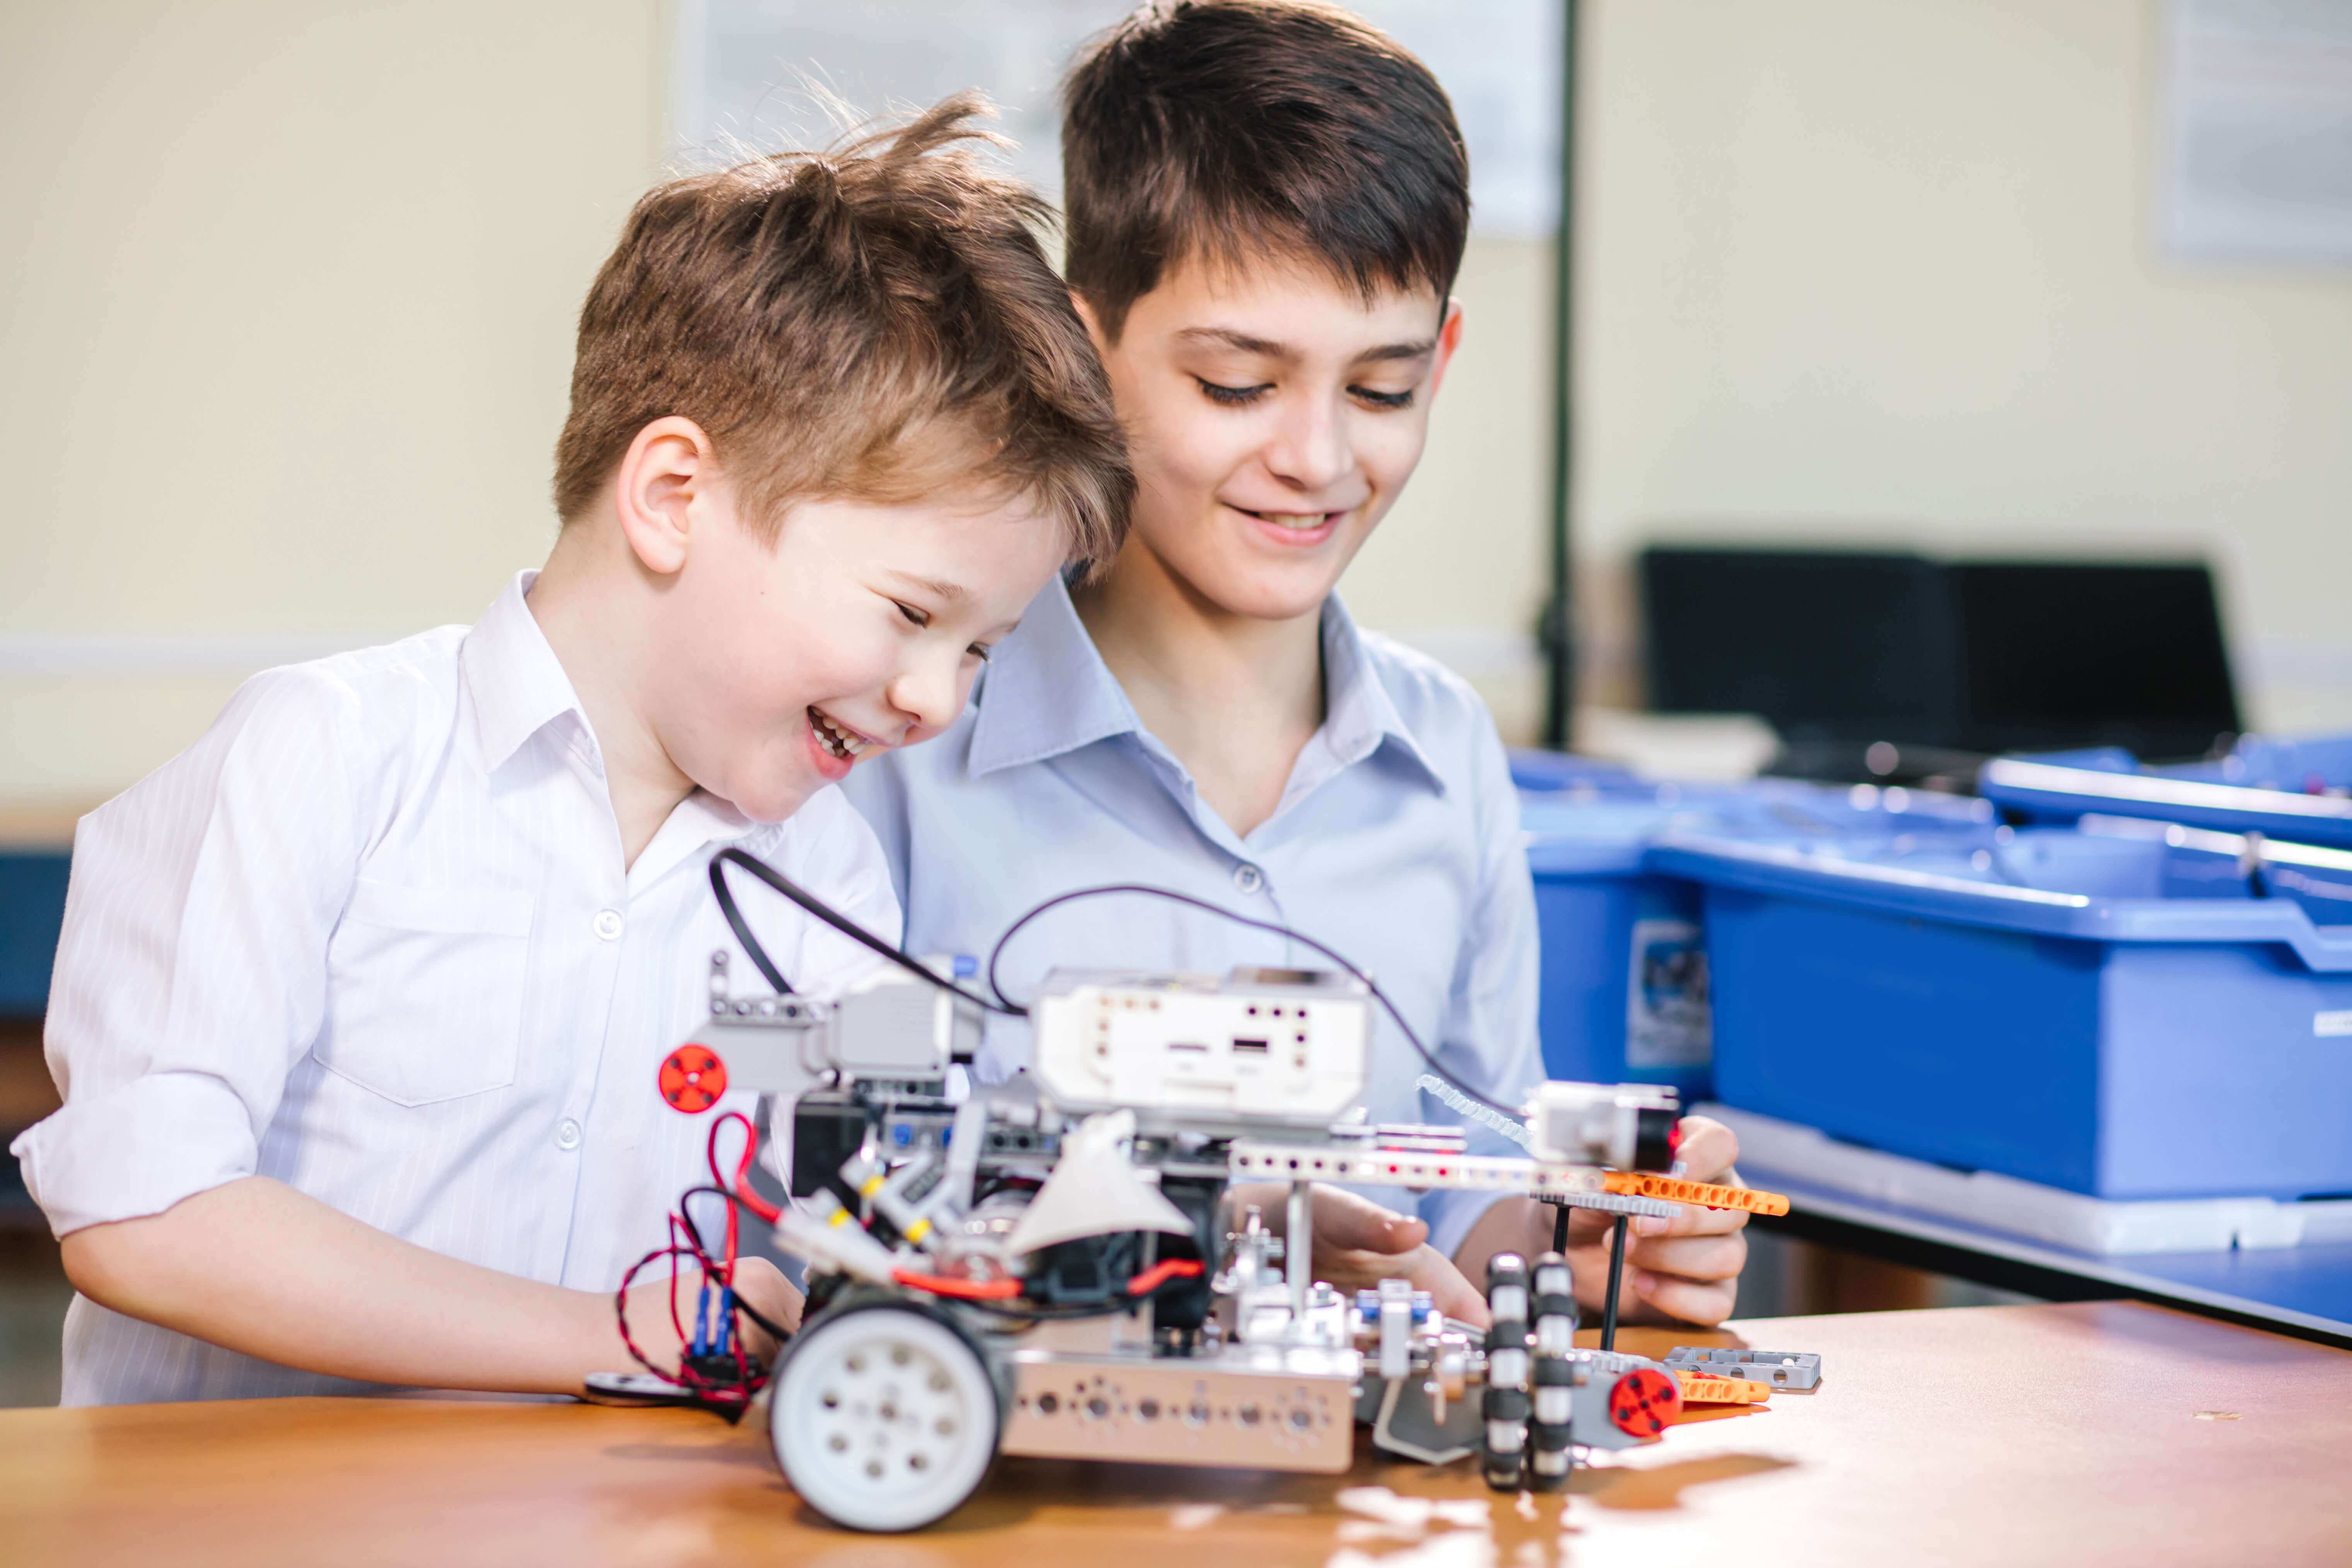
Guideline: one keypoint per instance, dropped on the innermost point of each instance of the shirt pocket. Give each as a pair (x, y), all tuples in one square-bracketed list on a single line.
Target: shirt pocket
[(426, 990)]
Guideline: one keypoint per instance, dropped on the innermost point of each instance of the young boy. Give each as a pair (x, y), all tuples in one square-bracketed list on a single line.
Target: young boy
[(1266, 205), (361, 999)]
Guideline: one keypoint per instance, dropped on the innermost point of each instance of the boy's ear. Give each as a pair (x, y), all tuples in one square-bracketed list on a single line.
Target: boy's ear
[(1449, 338), (667, 472), (1103, 345)]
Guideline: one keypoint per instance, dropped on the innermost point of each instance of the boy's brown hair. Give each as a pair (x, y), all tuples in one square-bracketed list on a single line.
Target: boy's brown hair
[(875, 324), (1227, 131)]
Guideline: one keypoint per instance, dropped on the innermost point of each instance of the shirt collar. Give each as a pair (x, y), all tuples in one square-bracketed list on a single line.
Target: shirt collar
[(518, 684), (1360, 716), (1048, 692)]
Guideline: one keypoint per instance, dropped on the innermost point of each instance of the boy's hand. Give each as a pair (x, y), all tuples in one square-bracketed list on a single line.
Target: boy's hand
[(758, 1282), (1358, 1244), (1683, 1270), (1676, 1271)]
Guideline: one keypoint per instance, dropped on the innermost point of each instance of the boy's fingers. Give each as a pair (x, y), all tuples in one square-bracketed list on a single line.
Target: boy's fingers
[(1686, 1300), (1699, 1257), (1425, 1266), (1452, 1292), (1693, 1221), (1708, 1149), (1345, 1219)]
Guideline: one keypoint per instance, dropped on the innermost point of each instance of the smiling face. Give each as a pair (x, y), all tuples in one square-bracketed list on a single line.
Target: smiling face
[(1274, 415), (774, 669)]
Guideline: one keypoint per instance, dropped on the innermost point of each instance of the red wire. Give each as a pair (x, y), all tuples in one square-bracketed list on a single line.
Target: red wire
[(1161, 1272), (961, 1289)]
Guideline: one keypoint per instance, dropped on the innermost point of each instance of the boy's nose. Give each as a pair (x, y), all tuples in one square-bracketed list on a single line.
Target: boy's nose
[(1310, 447), (931, 692)]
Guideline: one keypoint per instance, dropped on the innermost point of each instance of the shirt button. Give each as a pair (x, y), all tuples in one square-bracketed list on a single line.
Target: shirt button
[(1248, 878), (567, 1134), (608, 924)]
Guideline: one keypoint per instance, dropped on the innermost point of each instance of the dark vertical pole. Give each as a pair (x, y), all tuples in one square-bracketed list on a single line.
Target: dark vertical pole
[(1559, 630), (1616, 1282)]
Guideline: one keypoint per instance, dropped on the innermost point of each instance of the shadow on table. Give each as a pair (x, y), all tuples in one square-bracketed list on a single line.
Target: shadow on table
[(1655, 1487)]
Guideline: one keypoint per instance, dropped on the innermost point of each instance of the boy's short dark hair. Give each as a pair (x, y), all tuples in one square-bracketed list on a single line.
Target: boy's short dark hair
[(1224, 130), (877, 322)]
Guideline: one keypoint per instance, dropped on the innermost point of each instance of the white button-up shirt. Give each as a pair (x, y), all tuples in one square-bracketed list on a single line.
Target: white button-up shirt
[(1396, 841), (371, 936)]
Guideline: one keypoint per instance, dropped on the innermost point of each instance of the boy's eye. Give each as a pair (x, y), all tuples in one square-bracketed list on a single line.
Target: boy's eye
[(1232, 397), (912, 613), (1381, 399), (980, 651)]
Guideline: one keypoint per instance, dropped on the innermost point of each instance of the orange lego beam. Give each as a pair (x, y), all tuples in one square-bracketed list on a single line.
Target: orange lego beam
[(1699, 1390), (1675, 1190)]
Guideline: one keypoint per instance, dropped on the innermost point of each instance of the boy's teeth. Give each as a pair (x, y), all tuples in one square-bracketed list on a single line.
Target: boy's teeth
[(837, 741)]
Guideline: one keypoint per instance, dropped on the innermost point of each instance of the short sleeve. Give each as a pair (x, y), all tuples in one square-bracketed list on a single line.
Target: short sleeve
[(192, 971)]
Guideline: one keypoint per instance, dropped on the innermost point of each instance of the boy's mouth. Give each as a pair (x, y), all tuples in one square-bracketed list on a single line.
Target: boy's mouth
[(1295, 521), (839, 740)]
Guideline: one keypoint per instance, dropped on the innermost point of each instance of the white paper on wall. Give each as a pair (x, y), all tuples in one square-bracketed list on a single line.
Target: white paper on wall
[(2257, 161), (744, 69)]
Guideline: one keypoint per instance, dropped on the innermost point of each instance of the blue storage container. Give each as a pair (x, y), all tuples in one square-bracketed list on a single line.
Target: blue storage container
[(1539, 771), (2296, 790), (1623, 970), (32, 911), (2112, 1013), (1623, 966)]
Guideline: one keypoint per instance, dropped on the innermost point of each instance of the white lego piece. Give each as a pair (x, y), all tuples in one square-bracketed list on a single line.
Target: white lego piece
[(1593, 1123), (1095, 1189), (1282, 1046), (1253, 1160)]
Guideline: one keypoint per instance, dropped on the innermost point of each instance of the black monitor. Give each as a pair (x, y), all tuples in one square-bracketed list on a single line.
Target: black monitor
[(1822, 644), (1839, 650), (2091, 653)]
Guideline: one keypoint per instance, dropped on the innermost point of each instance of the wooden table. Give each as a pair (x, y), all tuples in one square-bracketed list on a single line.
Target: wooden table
[(2083, 1433)]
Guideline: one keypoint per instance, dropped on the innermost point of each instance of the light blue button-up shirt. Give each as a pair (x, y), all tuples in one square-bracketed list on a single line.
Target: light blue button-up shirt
[(1397, 842)]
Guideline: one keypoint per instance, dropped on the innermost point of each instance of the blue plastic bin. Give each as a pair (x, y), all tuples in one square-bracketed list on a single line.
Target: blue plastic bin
[(1625, 992), (2116, 1014), (2296, 790), (32, 911), (1538, 772)]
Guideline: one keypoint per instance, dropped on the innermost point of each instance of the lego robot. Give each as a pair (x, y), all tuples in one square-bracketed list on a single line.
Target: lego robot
[(1070, 1264)]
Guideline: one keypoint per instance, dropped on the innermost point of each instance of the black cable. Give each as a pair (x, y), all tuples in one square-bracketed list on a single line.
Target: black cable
[(1008, 1006), (743, 929), (825, 912), (1616, 1278), (1004, 1004)]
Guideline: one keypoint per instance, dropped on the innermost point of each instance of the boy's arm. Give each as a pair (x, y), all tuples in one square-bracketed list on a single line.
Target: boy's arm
[(190, 980), (1682, 1270), (258, 1267)]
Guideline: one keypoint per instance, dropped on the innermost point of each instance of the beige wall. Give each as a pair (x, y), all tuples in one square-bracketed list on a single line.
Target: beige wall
[(286, 334), (287, 326), (1860, 270)]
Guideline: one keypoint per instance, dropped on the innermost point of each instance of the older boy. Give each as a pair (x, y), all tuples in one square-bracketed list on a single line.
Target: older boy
[(1267, 202), (361, 999)]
